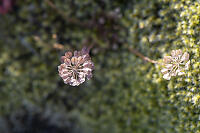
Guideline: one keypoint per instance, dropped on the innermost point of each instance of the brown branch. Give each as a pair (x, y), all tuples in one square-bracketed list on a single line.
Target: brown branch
[(142, 56), (63, 14), (55, 8), (90, 46)]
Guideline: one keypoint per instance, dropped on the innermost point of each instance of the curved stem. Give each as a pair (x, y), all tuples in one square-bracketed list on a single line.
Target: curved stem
[(142, 56), (67, 19), (90, 46)]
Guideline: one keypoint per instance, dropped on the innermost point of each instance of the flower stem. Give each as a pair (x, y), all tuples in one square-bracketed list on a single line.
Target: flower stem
[(67, 19), (90, 47), (142, 56)]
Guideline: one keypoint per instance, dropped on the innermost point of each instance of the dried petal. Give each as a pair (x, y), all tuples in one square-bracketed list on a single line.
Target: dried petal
[(167, 76), (185, 57), (173, 53), (79, 53), (62, 58), (176, 64), (169, 66), (85, 50), (181, 73), (173, 73), (73, 60), (179, 52), (167, 59), (79, 59), (187, 65), (75, 53), (86, 57), (67, 62), (176, 53), (88, 65), (164, 70), (76, 68), (68, 54)]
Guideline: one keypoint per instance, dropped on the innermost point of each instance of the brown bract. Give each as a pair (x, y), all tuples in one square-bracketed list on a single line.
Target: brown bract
[(76, 67), (175, 64)]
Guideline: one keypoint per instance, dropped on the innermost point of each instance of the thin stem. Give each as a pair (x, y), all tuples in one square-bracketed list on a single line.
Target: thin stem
[(63, 14), (55, 8), (90, 46), (142, 56)]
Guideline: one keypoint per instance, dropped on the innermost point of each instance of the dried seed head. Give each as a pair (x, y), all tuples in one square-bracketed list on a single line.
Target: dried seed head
[(175, 64), (76, 68)]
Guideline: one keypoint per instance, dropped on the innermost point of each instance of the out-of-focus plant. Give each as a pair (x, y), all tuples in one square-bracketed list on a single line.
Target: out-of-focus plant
[(126, 94)]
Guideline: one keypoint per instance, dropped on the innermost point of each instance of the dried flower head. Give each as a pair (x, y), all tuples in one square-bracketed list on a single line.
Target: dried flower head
[(76, 68), (175, 64)]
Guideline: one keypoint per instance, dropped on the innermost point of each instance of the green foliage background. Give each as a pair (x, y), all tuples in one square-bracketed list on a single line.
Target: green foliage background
[(126, 94)]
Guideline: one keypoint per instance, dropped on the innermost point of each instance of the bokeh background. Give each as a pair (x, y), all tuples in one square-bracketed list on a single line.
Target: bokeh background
[(126, 94)]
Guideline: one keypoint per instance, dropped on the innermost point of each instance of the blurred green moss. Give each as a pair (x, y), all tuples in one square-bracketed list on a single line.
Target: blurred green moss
[(126, 94)]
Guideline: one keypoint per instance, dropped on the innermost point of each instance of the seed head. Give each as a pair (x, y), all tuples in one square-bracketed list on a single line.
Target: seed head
[(175, 64), (76, 67)]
